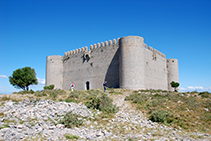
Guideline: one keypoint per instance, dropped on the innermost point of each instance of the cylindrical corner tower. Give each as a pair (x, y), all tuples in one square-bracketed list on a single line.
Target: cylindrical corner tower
[(54, 71), (131, 63), (173, 72)]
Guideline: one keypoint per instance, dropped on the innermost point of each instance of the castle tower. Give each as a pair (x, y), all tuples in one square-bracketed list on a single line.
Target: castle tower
[(131, 62), (173, 72), (54, 71)]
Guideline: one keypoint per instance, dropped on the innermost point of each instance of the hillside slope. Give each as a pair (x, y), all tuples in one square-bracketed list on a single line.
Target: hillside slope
[(36, 116)]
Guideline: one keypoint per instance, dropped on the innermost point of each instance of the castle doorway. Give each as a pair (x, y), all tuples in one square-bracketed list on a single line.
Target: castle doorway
[(87, 85)]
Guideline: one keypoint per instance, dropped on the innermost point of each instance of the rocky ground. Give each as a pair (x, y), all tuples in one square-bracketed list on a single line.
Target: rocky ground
[(37, 120)]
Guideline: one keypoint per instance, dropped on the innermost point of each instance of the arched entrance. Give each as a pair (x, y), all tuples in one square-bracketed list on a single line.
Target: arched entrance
[(87, 85)]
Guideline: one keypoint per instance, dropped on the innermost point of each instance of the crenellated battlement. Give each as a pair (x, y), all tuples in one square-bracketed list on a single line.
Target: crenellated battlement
[(108, 43), (156, 52), (92, 47), (125, 62)]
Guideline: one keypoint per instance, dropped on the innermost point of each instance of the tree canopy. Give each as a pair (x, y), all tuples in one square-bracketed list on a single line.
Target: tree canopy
[(174, 85), (22, 78)]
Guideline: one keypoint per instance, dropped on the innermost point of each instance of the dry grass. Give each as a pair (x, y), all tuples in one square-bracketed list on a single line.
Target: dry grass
[(192, 111)]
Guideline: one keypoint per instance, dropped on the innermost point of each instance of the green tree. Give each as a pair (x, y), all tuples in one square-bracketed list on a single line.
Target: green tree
[(174, 85), (22, 78)]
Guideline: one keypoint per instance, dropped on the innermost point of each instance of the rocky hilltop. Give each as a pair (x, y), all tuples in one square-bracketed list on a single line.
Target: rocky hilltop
[(24, 117)]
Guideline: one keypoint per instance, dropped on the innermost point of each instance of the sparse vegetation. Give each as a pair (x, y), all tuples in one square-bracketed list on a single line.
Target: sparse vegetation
[(71, 120), (24, 92), (161, 116), (50, 87), (205, 94), (178, 109), (137, 98), (188, 111), (102, 103), (49, 94), (71, 137), (5, 98)]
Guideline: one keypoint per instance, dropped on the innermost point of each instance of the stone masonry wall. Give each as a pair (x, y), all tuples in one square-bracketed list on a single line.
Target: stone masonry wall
[(173, 72), (125, 63), (155, 70), (95, 67), (131, 63), (54, 71)]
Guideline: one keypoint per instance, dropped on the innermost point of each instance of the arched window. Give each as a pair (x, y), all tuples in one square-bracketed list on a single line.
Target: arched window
[(87, 85)]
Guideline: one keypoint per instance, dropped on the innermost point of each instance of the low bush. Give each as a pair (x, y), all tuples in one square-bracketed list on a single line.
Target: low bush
[(161, 116), (50, 87), (70, 136), (40, 94), (52, 94), (5, 98), (205, 94), (31, 91), (71, 120), (155, 102), (102, 103), (74, 94), (68, 100), (24, 92)]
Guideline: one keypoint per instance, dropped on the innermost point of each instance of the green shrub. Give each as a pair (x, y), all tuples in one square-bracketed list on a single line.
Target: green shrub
[(5, 98), (40, 93), (74, 94), (22, 92), (102, 103), (70, 136), (50, 87), (51, 93), (155, 103), (161, 116), (71, 120), (205, 94), (68, 100), (31, 91)]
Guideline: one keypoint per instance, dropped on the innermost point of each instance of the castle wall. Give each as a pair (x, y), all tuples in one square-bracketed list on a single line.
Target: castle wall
[(155, 70), (125, 63), (173, 72), (95, 66), (132, 62), (54, 71)]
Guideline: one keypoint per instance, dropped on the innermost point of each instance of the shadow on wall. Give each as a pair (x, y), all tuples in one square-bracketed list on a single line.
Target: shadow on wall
[(112, 74)]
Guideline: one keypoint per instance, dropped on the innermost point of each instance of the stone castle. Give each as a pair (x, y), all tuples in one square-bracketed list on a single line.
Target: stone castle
[(124, 63)]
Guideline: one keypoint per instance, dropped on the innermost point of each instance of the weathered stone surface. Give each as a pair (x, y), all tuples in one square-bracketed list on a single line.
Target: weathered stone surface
[(127, 63), (128, 120)]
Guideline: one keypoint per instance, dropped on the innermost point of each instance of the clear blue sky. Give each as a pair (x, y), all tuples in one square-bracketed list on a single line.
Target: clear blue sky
[(31, 30)]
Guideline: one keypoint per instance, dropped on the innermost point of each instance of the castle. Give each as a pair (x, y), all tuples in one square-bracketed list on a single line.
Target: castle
[(124, 63)]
